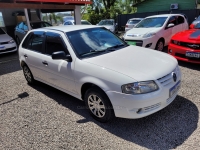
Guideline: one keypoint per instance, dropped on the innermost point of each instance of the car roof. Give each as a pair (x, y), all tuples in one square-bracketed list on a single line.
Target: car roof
[(164, 15), (67, 28), (136, 18)]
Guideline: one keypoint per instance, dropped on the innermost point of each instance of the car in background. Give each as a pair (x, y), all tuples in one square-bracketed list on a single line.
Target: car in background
[(7, 44), (72, 22), (22, 28), (131, 23), (96, 66), (155, 32), (109, 24), (185, 45), (197, 20)]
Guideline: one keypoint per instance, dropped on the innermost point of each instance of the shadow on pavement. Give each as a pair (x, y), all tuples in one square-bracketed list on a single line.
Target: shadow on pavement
[(165, 129)]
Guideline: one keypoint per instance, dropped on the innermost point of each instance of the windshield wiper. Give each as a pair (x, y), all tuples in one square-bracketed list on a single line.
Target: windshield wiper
[(92, 52), (112, 48)]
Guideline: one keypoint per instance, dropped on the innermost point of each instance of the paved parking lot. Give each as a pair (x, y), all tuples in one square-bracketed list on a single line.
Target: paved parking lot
[(41, 117)]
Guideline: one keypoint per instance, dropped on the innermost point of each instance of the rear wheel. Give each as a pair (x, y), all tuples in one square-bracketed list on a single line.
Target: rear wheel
[(99, 105), (28, 75), (160, 45)]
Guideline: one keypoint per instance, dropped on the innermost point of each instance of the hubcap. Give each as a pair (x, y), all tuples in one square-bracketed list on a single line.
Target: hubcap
[(27, 74), (160, 46), (96, 106)]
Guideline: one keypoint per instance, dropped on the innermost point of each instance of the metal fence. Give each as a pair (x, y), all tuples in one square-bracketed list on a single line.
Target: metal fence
[(123, 18)]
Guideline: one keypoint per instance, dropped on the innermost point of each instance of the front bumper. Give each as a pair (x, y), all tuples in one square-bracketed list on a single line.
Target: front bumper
[(7, 48), (141, 105), (179, 53)]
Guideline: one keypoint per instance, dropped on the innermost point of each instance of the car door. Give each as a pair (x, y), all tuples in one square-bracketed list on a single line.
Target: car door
[(33, 53), (58, 73)]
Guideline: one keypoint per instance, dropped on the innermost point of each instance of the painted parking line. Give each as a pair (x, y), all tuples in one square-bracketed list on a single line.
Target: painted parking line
[(2, 62)]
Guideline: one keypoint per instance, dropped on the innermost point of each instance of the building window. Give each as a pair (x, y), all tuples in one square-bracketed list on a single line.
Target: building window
[(1, 20)]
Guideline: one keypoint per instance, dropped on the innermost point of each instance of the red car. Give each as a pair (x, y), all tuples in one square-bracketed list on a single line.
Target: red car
[(185, 45)]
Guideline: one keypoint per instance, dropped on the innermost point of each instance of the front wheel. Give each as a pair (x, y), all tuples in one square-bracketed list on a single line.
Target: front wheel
[(99, 105), (160, 45)]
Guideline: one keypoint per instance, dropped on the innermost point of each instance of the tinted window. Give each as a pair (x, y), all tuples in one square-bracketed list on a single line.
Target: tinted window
[(54, 43), (36, 25), (66, 23), (25, 43), (180, 19), (35, 43), (133, 21), (1, 31), (106, 22), (85, 23), (172, 20), (154, 22)]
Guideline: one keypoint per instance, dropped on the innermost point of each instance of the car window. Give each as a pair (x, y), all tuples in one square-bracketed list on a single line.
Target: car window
[(180, 20), (173, 20), (89, 42), (25, 42), (70, 23), (133, 21), (35, 43), (1, 31), (54, 43), (45, 24), (85, 23), (154, 22), (66, 23), (106, 22), (36, 25)]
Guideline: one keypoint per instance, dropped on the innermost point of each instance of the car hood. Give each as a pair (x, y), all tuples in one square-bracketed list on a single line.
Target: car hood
[(192, 34), (139, 63), (142, 30), (5, 38)]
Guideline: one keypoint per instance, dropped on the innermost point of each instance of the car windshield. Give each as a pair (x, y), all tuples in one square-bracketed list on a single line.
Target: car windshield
[(197, 26), (85, 23), (133, 21), (154, 22), (2, 32), (36, 25), (94, 41), (106, 22)]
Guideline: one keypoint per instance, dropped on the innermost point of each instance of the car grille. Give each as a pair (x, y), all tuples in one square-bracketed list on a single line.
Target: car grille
[(190, 45), (183, 56), (1, 43), (138, 42), (165, 80), (8, 49)]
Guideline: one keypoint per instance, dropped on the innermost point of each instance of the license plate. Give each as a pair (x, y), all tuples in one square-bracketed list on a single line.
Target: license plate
[(174, 89), (131, 42), (2, 47), (192, 54)]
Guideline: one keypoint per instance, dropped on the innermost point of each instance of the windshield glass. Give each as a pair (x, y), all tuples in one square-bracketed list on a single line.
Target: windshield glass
[(155, 22), (106, 22), (197, 26), (94, 41), (133, 21), (36, 25), (1, 31), (85, 23)]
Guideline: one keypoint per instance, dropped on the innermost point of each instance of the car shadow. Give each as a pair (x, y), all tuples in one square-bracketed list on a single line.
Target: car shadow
[(189, 65), (165, 129)]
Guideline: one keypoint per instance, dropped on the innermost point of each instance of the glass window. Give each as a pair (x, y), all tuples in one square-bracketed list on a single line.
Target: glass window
[(133, 21), (2, 24), (66, 23), (172, 20), (106, 22), (36, 25), (154, 22), (2, 32), (85, 23), (54, 43), (36, 42), (180, 19), (24, 44), (90, 42)]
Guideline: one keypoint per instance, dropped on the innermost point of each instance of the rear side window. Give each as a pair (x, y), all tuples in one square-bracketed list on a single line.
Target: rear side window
[(35, 42), (172, 20), (180, 20)]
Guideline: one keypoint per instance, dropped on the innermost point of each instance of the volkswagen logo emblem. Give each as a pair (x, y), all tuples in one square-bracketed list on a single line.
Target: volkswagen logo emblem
[(174, 76)]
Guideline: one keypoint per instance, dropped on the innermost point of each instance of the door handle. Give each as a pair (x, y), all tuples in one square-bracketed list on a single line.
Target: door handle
[(25, 56), (45, 63)]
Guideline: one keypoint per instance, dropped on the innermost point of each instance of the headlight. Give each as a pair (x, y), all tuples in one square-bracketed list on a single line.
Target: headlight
[(175, 42), (11, 41), (148, 35), (139, 87)]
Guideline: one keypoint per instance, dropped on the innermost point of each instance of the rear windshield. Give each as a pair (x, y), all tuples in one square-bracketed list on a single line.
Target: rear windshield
[(133, 21), (1, 31)]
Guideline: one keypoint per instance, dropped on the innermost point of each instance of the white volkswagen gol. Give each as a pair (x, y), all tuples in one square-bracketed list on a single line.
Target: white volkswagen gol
[(92, 64), (155, 32)]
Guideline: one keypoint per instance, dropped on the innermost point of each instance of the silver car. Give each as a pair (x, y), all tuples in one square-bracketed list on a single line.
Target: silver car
[(131, 23)]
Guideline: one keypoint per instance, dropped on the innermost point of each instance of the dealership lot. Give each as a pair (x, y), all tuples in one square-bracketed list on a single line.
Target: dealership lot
[(41, 117)]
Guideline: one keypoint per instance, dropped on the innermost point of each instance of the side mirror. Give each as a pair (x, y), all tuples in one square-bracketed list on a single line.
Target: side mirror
[(170, 25), (61, 55)]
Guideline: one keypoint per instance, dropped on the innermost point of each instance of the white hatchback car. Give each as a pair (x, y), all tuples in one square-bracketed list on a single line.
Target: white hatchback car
[(156, 31), (7, 44), (94, 65)]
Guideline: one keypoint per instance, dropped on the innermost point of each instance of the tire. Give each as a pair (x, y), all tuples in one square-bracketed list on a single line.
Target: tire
[(99, 105), (160, 45), (18, 40), (28, 75)]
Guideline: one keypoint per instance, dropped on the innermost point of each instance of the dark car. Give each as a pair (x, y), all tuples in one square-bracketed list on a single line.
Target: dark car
[(22, 28)]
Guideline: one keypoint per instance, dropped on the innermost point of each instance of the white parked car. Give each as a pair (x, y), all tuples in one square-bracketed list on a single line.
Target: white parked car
[(131, 23), (109, 24), (156, 31), (7, 44), (72, 22), (92, 64)]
